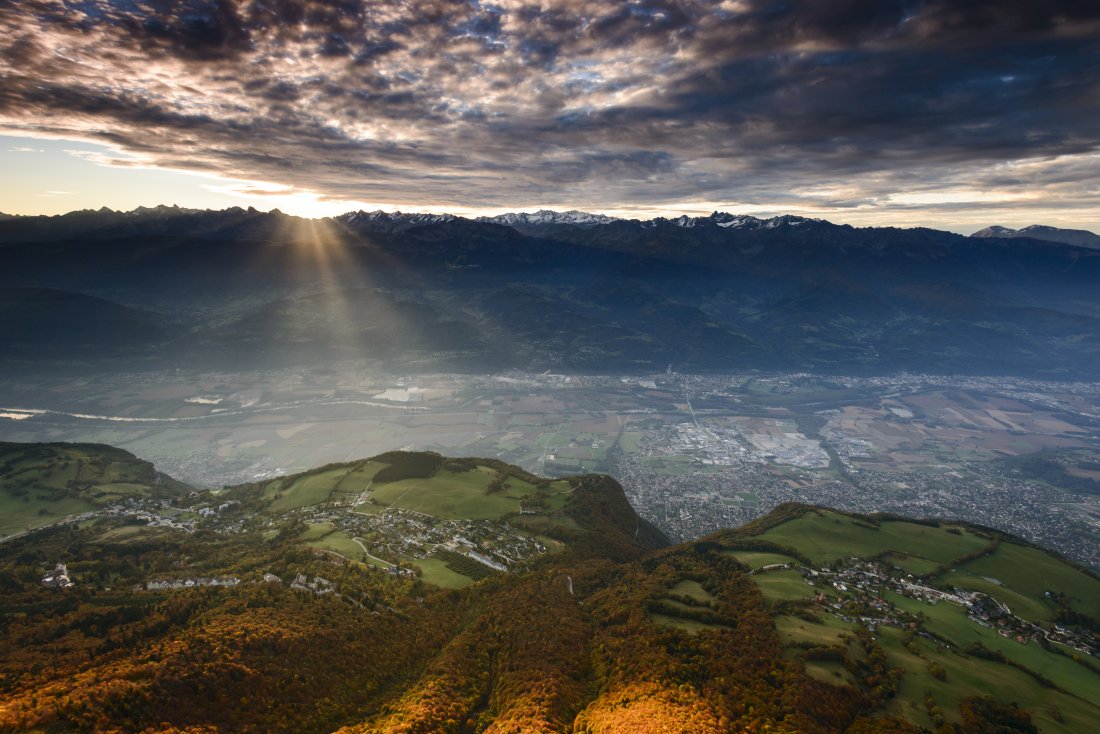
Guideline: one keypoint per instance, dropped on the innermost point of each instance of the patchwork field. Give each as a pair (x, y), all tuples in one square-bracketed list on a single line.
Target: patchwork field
[(44, 484), (934, 429), (945, 652)]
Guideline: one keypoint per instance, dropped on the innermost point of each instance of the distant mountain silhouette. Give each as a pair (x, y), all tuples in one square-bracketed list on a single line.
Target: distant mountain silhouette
[(44, 320), (1078, 237), (569, 292)]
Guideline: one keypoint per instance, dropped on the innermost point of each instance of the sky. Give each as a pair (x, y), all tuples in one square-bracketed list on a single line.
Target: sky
[(954, 114)]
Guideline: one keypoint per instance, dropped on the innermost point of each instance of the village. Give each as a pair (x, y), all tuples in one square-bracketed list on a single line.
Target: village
[(396, 533), (856, 593)]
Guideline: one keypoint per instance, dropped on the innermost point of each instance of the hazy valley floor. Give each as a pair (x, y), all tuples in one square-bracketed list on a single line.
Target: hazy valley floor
[(694, 453)]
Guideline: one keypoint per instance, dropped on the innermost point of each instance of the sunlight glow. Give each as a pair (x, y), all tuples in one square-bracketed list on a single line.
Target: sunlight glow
[(958, 196)]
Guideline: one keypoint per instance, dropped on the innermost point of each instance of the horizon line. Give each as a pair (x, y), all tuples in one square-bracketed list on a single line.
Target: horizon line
[(443, 212)]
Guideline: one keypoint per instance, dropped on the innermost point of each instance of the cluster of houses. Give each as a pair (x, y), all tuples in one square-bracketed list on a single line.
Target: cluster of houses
[(868, 579), (189, 583), (58, 578), (316, 584), (212, 511)]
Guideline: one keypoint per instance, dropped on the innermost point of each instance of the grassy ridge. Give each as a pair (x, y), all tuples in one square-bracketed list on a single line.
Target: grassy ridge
[(41, 484), (1032, 572), (946, 656), (829, 536), (560, 514)]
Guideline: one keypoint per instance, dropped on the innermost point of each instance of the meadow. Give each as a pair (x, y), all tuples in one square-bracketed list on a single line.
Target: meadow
[(945, 656), (826, 536), (42, 484)]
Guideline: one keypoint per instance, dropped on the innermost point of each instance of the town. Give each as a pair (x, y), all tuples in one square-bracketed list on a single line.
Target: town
[(695, 453)]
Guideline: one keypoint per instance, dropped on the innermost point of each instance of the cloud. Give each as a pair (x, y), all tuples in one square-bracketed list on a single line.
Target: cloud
[(575, 102)]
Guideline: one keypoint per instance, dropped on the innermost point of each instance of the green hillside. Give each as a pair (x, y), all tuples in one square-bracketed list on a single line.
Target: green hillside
[(959, 611), (450, 521), (41, 484), (412, 592)]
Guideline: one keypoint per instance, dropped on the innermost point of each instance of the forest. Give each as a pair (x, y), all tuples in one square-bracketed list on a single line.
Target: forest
[(618, 633)]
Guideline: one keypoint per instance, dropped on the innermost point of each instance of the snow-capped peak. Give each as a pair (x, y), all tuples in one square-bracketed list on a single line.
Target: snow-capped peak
[(739, 221), (392, 221), (550, 217), (1077, 237)]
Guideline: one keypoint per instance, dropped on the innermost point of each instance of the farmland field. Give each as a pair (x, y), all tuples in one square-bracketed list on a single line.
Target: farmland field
[(828, 536), (1033, 572), (436, 572), (757, 559), (783, 585), (460, 495)]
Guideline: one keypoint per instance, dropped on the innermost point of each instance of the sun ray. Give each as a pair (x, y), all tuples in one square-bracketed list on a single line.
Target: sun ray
[(339, 305)]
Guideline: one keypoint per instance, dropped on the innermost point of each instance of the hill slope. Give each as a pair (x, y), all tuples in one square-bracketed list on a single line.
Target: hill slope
[(41, 484), (611, 631), (44, 320)]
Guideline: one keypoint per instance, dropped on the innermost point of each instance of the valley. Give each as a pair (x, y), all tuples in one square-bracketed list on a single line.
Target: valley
[(653, 367), (695, 453), (735, 474)]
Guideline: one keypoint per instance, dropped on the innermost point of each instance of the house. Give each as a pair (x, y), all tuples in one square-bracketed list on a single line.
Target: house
[(58, 578)]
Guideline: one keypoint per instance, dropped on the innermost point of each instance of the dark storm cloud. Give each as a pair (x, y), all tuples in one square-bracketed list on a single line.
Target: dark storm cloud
[(205, 29), (575, 101)]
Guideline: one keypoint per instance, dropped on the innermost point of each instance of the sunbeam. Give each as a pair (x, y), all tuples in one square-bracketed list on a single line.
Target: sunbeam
[(337, 304)]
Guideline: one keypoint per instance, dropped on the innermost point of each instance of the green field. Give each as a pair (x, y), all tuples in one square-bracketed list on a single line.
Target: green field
[(912, 564), (324, 536), (967, 676), (783, 585), (434, 571), (341, 543), (1032, 572), (464, 495), (688, 606), (18, 514), (758, 559), (41, 484), (538, 524), (447, 495), (127, 534), (950, 622), (1027, 607), (691, 626), (1015, 574), (827, 672), (692, 590), (115, 491), (826, 536), (829, 631), (314, 488)]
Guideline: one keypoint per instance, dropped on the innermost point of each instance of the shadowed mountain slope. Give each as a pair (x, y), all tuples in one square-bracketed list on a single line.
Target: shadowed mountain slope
[(438, 292)]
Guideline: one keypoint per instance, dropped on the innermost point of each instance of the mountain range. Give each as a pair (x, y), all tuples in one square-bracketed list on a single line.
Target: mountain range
[(569, 292), (1078, 237)]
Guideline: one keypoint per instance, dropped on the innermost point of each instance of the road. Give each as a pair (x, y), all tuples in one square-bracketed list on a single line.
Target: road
[(359, 542)]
